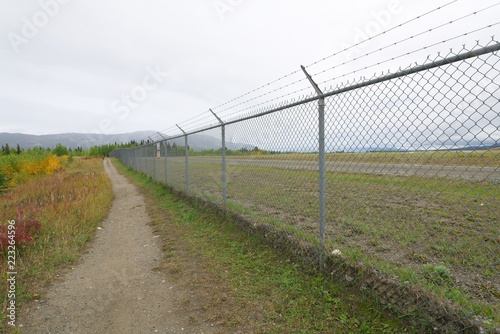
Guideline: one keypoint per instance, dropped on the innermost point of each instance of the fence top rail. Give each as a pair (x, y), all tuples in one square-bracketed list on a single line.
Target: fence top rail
[(405, 72)]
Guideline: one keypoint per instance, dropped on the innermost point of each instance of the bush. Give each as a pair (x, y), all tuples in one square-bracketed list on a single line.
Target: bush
[(16, 169), (60, 150), (26, 230), (3, 182)]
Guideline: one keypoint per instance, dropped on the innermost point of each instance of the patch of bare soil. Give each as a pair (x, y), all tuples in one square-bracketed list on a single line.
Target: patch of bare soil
[(124, 285)]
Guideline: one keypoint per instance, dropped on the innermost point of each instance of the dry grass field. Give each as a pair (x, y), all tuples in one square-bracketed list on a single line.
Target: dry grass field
[(56, 215)]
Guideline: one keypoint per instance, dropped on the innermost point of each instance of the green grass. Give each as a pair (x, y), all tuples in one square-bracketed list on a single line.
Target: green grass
[(397, 224), (272, 294)]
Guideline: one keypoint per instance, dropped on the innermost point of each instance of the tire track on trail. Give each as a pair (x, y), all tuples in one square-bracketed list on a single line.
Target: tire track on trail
[(114, 287)]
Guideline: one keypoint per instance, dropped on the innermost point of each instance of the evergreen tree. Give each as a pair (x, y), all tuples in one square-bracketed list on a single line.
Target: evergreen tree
[(60, 150)]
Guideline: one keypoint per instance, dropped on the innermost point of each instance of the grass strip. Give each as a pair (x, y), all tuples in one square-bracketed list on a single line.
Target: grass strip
[(251, 285)]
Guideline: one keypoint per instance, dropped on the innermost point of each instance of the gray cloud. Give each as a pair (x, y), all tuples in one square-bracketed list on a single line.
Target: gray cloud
[(71, 71)]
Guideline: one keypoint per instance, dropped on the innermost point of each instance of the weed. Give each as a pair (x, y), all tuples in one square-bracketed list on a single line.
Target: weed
[(437, 274), (26, 229)]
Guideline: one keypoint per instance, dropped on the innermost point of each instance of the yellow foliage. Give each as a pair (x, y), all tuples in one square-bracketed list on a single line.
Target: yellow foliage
[(51, 164), (21, 169), (33, 168)]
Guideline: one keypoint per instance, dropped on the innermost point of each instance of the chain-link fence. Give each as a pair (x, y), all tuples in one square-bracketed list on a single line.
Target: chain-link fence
[(390, 183)]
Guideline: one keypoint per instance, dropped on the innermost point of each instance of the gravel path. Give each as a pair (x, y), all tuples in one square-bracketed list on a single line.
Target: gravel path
[(115, 287)]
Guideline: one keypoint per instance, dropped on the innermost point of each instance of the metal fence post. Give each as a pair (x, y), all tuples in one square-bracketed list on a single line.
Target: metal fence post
[(145, 158), (322, 173), (154, 160), (136, 165), (153, 156), (136, 158), (223, 132), (187, 163), (187, 157), (165, 143), (166, 167), (148, 162)]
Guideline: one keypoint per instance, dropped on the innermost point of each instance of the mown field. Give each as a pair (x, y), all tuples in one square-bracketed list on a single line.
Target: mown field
[(442, 233), (56, 214)]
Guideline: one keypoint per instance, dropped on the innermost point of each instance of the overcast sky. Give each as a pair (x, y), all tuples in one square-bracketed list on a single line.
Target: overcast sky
[(119, 66)]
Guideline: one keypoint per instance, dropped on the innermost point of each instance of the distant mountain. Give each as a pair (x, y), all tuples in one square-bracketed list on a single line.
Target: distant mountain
[(480, 147), (197, 142), (70, 140)]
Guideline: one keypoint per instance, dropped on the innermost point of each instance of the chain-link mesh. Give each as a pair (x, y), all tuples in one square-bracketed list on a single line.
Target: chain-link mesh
[(409, 190), (205, 165), (412, 182)]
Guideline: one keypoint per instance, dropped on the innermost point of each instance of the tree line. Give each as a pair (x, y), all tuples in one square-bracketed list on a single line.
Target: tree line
[(60, 150)]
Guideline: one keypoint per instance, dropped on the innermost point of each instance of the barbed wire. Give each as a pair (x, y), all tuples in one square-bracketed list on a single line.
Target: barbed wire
[(308, 87), (186, 125), (399, 26), (405, 39), (241, 104), (408, 53), (303, 79), (229, 106)]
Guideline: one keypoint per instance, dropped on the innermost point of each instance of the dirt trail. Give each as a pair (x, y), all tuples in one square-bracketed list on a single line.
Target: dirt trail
[(115, 287)]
